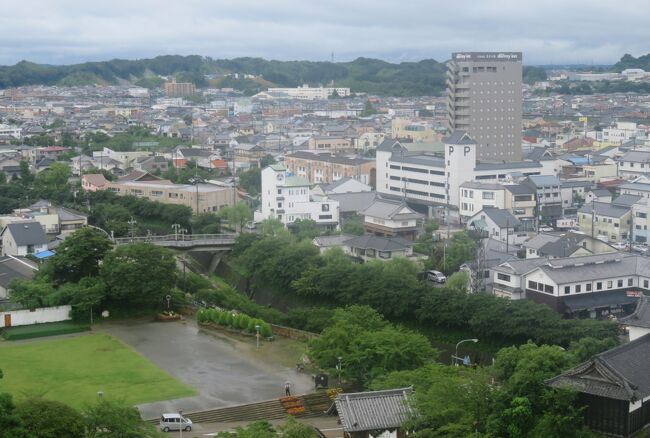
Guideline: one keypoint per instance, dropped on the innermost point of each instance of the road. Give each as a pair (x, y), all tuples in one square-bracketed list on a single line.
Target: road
[(224, 369)]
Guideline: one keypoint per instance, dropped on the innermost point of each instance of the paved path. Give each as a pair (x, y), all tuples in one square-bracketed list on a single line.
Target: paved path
[(328, 425), (225, 370)]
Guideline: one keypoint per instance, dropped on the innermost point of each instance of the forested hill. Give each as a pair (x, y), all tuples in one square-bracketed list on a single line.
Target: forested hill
[(629, 61), (374, 76)]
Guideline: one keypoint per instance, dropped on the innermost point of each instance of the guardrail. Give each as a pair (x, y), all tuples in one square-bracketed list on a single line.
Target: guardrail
[(180, 239)]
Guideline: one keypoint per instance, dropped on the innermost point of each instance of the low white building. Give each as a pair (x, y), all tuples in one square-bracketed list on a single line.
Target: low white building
[(309, 93), (287, 197)]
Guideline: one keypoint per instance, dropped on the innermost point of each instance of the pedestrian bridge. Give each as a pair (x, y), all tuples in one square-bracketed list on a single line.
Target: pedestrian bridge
[(183, 241)]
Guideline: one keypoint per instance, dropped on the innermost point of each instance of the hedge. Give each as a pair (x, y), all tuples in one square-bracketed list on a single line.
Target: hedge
[(239, 321), (42, 330)]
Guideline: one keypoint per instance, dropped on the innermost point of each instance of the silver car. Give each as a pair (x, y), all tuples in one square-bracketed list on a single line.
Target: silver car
[(175, 422)]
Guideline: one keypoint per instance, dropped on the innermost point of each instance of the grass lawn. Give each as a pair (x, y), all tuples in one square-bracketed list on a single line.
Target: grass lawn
[(73, 370)]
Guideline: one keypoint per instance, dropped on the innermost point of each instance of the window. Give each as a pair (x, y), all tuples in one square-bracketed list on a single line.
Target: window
[(567, 289), (488, 195), (503, 277), (532, 285), (325, 207), (548, 289), (279, 191), (599, 285), (645, 284), (588, 287), (630, 281), (609, 284), (384, 254)]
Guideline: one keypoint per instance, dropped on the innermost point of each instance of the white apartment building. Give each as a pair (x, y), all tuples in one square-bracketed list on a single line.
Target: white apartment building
[(10, 131), (475, 196), (622, 132), (633, 164), (287, 197), (310, 93), (433, 180)]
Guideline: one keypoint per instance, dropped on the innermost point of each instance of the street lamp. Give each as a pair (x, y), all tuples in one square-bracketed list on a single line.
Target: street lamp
[(338, 368), (257, 335), (453, 359), (180, 414)]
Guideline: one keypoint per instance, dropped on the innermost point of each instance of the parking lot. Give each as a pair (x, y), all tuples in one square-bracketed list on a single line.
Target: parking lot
[(226, 370)]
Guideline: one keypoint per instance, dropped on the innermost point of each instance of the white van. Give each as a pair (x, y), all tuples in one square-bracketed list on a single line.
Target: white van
[(436, 276), (175, 422)]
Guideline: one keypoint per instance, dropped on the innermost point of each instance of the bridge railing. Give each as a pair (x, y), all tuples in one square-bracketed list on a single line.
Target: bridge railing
[(180, 238)]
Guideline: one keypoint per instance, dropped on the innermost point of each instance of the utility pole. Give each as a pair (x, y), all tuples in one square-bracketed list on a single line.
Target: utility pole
[(593, 217)]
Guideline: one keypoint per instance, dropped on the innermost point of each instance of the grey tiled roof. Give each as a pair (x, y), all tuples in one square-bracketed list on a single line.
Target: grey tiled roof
[(595, 267), (539, 240), (620, 373), (502, 218), (388, 209), (375, 410), (353, 202), (27, 233), (379, 243), (519, 189), (506, 166), (11, 268), (641, 315), (636, 156), (604, 209), (626, 200), (544, 180)]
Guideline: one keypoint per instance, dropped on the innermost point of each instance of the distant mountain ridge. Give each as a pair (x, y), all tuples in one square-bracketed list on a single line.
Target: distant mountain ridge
[(374, 76), (363, 75)]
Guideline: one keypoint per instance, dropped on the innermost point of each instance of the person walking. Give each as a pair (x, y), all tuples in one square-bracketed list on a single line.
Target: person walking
[(287, 388)]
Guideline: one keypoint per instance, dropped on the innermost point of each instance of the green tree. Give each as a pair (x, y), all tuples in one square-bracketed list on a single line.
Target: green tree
[(450, 254), (78, 256), (368, 345), (11, 424), (353, 225), (32, 293), (305, 229), (258, 429), (138, 275), (53, 182), (272, 227), (293, 428), (112, 419), (206, 223), (50, 419), (237, 215), (451, 401)]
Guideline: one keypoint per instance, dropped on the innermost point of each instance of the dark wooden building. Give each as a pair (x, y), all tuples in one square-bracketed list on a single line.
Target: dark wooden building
[(615, 388), (369, 414)]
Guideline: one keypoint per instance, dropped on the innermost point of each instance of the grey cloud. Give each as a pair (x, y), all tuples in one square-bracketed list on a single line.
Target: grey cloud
[(551, 31)]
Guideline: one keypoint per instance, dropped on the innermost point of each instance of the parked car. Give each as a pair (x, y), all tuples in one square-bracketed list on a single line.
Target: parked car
[(175, 422), (621, 246), (436, 276), (546, 229), (640, 249)]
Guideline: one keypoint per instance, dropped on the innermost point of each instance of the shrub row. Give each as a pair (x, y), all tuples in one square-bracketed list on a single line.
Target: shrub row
[(41, 330), (239, 321)]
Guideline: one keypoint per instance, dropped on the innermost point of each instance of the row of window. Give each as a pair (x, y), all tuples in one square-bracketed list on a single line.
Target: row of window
[(416, 192), (415, 169), (541, 287)]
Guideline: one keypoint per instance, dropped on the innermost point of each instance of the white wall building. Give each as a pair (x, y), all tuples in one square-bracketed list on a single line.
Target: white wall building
[(287, 197), (429, 179), (622, 132), (310, 93), (10, 131)]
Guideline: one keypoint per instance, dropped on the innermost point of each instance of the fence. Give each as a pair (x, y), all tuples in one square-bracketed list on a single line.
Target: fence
[(292, 333), (41, 315)]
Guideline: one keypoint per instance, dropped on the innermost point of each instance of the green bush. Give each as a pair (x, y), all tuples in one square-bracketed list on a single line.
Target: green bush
[(228, 319), (265, 330)]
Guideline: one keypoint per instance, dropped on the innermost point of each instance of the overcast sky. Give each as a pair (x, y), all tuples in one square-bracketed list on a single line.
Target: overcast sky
[(548, 32)]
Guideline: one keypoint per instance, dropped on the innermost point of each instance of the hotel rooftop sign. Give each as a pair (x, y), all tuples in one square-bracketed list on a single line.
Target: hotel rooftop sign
[(486, 56)]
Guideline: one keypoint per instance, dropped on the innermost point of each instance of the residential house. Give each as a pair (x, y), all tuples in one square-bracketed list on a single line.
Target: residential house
[(598, 195), (498, 224), (23, 238), (91, 182), (553, 246), (547, 194), (609, 222), (391, 218), (14, 268), (633, 164), (370, 247)]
